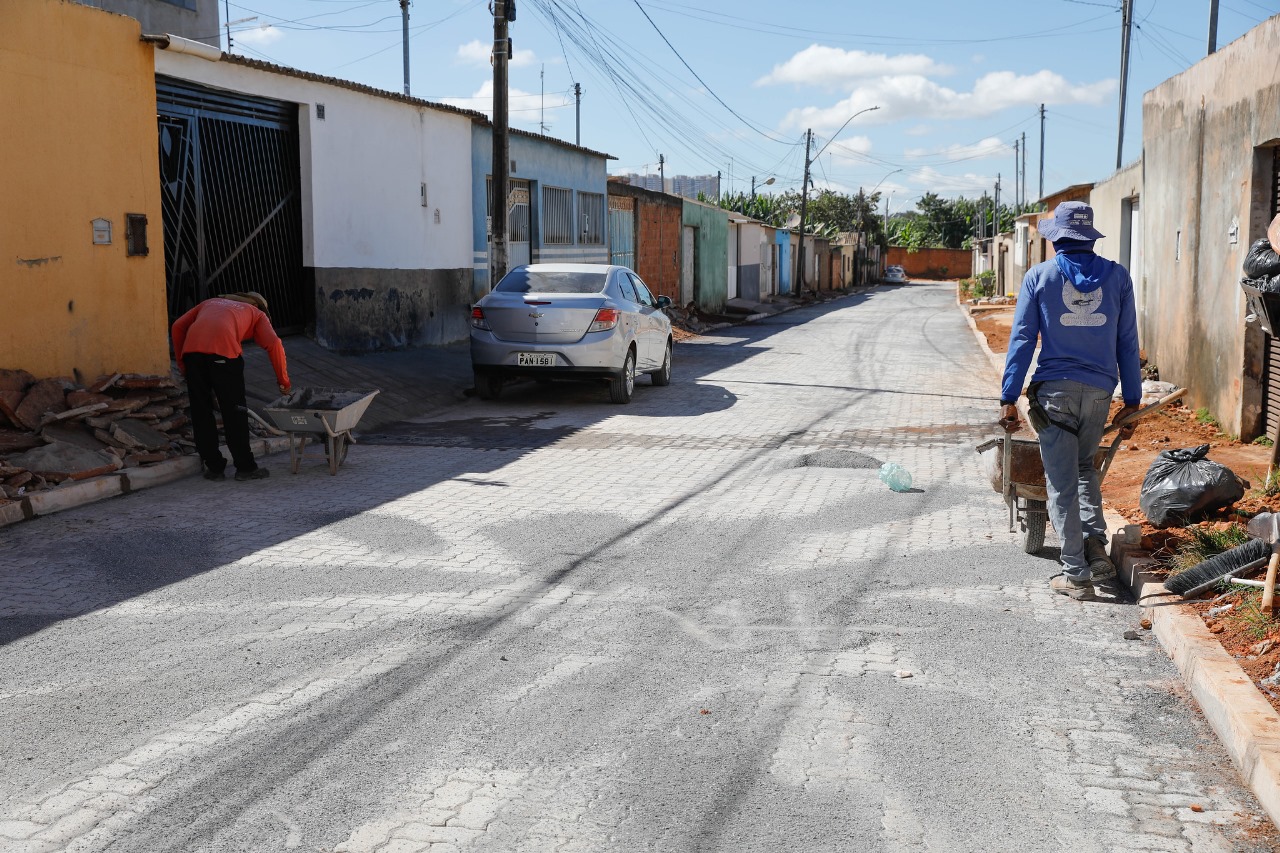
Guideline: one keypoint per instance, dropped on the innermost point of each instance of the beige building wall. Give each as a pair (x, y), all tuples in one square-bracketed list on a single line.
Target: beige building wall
[(1208, 144), (79, 143)]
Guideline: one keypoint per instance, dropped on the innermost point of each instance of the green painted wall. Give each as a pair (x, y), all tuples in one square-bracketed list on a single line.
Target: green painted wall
[(711, 254)]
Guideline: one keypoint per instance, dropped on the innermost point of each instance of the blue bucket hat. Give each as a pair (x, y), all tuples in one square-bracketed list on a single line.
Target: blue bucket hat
[(1072, 220)]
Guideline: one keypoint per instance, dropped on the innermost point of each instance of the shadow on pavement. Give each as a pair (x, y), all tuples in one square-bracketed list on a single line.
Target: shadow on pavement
[(106, 564)]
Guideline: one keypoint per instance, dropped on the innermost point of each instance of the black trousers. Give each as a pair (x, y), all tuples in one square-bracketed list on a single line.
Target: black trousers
[(210, 376)]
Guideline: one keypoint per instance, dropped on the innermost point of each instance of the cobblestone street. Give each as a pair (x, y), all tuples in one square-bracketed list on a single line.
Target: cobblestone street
[(550, 623)]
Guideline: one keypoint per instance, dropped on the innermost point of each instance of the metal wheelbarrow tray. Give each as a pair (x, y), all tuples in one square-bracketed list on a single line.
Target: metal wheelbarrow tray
[(329, 412), (1016, 471)]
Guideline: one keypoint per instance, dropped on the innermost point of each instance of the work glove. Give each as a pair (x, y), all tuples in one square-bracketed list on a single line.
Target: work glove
[(1009, 419)]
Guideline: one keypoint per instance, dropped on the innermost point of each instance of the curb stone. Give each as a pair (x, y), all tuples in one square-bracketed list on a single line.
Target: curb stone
[(1243, 720), (1239, 715), (121, 482)]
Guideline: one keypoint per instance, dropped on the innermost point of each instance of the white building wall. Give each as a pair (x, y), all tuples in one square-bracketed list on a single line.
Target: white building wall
[(362, 170)]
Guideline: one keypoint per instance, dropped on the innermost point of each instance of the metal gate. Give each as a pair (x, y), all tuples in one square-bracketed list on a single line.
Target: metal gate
[(230, 194), (622, 231)]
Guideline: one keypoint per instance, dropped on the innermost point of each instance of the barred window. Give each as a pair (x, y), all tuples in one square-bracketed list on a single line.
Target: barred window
[(591, 210), (557, 215)]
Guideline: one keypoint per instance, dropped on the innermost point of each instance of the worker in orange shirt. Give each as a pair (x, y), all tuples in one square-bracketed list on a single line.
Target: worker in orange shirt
[(206, 344)]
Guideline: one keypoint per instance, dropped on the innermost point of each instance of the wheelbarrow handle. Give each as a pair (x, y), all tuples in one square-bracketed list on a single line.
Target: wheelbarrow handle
[(1144, 411)]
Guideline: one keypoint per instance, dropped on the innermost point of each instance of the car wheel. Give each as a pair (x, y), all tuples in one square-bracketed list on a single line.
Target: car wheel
[(488, 385), (622, 385), (662, 376)]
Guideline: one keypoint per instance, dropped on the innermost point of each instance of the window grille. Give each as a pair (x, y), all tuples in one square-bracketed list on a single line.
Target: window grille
[(591, 210), (557, 215)]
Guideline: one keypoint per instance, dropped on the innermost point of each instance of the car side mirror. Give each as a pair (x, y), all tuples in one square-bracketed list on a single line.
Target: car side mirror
[(664, 301)]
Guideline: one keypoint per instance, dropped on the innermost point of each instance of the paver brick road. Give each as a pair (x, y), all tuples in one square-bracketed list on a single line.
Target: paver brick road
[(549, 623)]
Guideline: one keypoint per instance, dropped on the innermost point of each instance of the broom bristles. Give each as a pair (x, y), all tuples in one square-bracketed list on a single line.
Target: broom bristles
[(1218, 566)]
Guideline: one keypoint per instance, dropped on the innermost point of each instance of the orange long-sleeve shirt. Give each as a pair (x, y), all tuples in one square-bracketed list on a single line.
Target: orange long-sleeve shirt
[(218, 326)]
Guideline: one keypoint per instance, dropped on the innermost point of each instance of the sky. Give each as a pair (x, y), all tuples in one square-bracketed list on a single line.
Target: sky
[(905, 97)]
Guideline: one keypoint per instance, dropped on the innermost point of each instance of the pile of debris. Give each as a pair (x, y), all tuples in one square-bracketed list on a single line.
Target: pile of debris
[(54, 431)]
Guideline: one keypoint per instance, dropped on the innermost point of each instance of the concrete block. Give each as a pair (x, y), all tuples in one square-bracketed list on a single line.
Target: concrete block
[(1244, 721), (74, 494), (14, 512), (157, 475)]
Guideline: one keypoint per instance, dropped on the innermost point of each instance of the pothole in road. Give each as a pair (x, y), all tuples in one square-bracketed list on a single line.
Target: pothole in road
[(838, 459)]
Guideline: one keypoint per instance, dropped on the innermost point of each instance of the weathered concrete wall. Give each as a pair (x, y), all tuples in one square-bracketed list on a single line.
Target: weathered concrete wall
[(1207, 135), (193, 19), (364, 310), (78, 142), (1110, 202), (932, 263), (711, 271)]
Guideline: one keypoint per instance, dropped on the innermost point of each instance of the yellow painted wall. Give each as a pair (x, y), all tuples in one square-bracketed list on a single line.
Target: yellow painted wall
[(78, 141)]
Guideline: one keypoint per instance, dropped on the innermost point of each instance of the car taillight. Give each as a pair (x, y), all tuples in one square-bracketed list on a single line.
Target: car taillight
[(477, 319), (606, 319)]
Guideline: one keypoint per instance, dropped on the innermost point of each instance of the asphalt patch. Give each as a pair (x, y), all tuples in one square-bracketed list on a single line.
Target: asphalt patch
[(838, 459), (500, 433)]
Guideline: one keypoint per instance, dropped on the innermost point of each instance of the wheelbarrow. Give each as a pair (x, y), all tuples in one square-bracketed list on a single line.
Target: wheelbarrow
[(328, 412), (1016, 471)]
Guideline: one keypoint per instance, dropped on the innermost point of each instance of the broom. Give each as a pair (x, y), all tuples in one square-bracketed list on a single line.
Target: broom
[(1239, 560)]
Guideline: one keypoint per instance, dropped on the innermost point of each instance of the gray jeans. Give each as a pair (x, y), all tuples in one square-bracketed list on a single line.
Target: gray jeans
[(1075, 489)]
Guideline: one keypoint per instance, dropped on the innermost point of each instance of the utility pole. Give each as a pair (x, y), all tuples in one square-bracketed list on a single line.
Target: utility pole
[(662, 171), (1017, 164), (1023, 193), (753, 186), (717, 186), (226, 5), (542, 99), (404, 24), (1126, 26), (577, 113), (1213, 26), (995, 219), (804, 204), (1041, 195), (503, 11)]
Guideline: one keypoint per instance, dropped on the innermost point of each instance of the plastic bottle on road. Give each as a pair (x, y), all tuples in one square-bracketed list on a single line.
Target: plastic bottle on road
[(895, 477)]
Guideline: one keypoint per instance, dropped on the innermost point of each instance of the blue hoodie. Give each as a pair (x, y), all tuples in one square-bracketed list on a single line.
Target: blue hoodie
[(1081, 307)]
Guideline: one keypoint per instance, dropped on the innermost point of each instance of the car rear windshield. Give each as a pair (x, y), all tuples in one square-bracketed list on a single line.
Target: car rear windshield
[(537, 281)]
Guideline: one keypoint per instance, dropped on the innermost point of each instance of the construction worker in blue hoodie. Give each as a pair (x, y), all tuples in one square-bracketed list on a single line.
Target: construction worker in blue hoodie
[(1081, 308)]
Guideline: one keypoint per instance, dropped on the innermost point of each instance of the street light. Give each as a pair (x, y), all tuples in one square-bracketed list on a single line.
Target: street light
[(804, 186), (765, 184)]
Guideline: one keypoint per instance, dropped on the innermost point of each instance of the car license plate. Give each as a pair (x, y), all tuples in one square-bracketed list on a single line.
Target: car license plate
[(535, 359)]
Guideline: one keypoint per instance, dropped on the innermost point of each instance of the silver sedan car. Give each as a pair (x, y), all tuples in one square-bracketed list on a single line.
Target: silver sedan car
[(570, 321)]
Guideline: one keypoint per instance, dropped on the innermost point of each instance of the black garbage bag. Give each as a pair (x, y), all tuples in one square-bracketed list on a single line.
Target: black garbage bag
[(1182, 483), (1262, 260)]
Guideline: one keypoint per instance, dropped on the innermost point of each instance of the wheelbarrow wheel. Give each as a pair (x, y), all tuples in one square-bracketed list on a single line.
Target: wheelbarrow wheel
[(1032, 526)]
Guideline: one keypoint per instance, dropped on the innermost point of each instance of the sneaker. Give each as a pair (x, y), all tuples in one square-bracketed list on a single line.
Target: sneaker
[(1071, 588), (255, 474), (1100, 565), (211, 474)]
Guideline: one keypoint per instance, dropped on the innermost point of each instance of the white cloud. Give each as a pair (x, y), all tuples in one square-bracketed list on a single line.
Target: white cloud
[(969, 183), (526, 108), (833, 68), (477, 53), (989, 147), (258, 36), (911, 96), (919, 130)]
